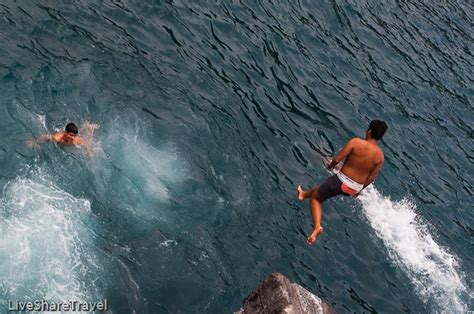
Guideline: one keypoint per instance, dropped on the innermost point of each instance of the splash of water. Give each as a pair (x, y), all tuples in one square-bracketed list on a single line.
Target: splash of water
[(45, 248), (138, 174), (433, 271)]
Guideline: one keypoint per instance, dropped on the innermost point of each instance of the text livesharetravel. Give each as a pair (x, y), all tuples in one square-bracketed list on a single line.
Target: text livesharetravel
[(45, 306)]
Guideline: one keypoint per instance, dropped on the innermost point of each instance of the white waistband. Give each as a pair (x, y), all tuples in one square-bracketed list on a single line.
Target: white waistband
[(349, 182)]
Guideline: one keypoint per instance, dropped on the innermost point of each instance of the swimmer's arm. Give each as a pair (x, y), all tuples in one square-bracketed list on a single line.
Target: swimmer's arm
[(93, 127), (43, 138), (345, 151), (85, 145), (90, 129), (34, 142)]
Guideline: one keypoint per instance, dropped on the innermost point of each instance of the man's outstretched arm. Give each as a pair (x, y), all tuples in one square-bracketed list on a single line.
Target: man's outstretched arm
[(34, 142), (345, 151), (87, 130)]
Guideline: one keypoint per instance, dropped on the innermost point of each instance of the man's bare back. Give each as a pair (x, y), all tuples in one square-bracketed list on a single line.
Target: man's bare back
[(365, 156)]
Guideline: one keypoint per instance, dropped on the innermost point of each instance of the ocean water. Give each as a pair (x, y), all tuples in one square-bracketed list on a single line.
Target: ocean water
[(210, 114)]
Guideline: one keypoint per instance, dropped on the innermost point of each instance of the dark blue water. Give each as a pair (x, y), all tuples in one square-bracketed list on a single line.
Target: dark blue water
[(210, 114)]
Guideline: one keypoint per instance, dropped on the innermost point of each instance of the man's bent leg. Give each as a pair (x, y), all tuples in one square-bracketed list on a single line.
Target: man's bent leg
[(316, 213), (302, 194), (329, 188)]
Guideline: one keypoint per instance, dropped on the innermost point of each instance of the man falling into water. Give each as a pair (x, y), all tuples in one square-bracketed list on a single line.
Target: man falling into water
[(70, 137), (363, 161)]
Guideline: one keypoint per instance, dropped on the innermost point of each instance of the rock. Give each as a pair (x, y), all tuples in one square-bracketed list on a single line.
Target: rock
[(276, 294)]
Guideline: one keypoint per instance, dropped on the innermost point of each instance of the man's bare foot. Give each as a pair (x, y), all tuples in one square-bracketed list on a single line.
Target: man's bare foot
[(314, 234), (300, 192)]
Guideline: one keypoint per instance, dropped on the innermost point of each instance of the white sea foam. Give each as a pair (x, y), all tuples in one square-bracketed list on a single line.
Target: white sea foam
[(433, 271), (42, 120), (167, 243), (45, 248), (148, 168)]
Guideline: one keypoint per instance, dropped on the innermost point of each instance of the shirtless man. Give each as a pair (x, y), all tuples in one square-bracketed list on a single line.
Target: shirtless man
[(69, 137), (364, 159)]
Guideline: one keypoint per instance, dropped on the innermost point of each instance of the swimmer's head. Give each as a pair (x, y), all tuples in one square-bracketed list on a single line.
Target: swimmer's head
[(71, 129), (377, 129)]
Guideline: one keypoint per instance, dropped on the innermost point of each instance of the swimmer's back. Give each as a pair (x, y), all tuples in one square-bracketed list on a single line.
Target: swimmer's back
[(364, 157)]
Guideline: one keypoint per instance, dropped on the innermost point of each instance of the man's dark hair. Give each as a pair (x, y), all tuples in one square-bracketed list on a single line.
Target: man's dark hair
[(378, 129), (71, 128)]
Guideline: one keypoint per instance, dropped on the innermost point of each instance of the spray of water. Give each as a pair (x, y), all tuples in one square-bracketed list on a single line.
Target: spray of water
[(135, 174), (433, 271)]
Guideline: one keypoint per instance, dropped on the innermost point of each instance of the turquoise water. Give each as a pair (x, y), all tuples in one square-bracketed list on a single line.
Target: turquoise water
[(210, 114)]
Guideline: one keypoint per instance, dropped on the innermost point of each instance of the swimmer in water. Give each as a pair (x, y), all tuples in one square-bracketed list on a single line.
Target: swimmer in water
[(363, 161), (69, 137)]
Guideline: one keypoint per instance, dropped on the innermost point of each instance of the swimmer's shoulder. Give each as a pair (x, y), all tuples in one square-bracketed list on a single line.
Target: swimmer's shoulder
[(378, 155), (57, 137), (357, 142), (381, 156)]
